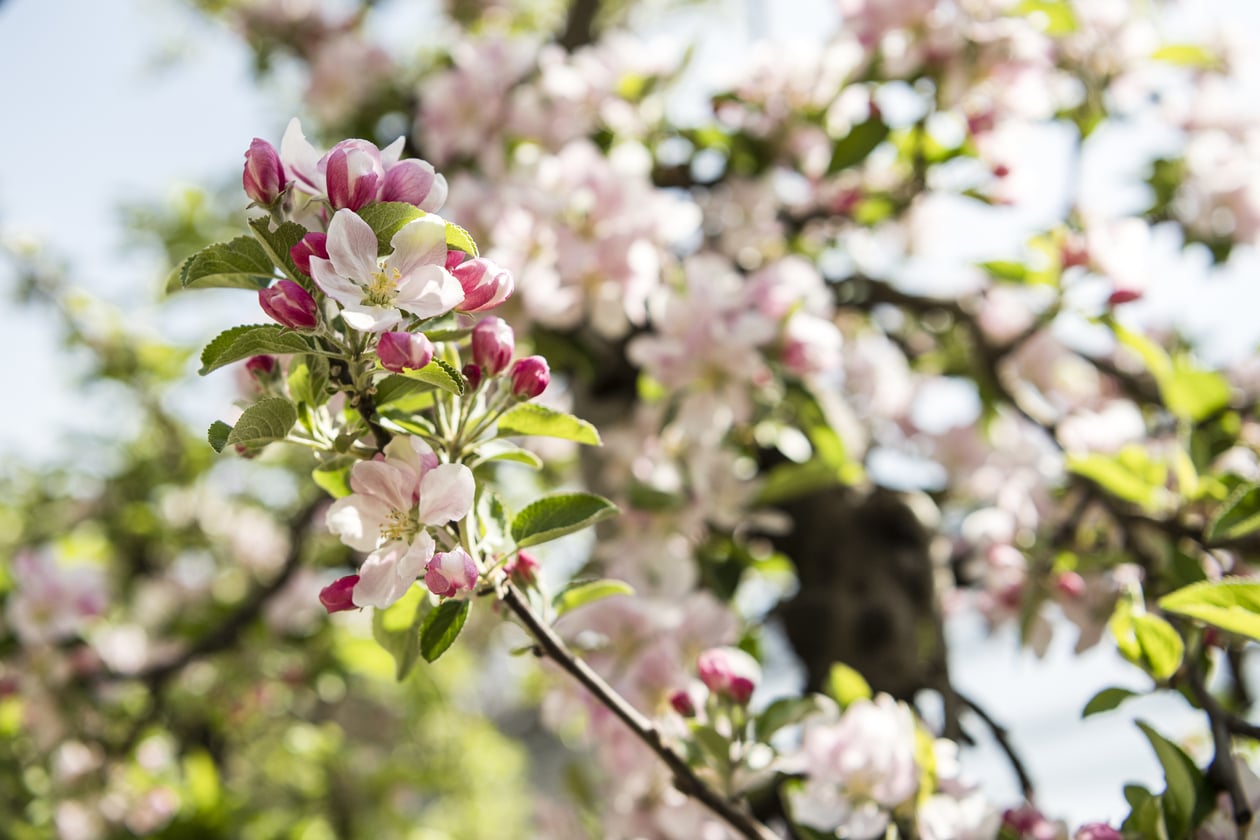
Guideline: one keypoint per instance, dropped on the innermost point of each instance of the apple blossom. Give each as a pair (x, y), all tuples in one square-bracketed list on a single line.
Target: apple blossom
[(729, 673), (313, 244), (530, 377), (395, 500), (492, 345), (522, 569), (374, 293), (289, 305), (450, 573), (339, 595), (263, 178), (485, 284)]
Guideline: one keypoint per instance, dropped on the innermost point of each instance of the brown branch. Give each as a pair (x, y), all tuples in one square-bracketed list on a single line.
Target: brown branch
[(685, 779), (1001, 735), (1222, 770), (579, 24)]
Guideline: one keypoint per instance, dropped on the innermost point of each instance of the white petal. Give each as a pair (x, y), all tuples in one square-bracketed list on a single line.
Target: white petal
[(357, 520), (420, 242), (370, 318), (352, 247), (378, 584), (383, 481), (446, 493), (411, 565), (300, 158), (334, 285), (391, 153), (428, 291), (436, 197)]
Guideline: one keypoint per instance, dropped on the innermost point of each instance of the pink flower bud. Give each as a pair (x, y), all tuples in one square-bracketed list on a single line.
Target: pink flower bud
[(522, 569), (473, 374), (312, 245), (492, 345), (1070, 585), (410, 181), (454, 257), (263, 178), (530, 377), (1098, 831), (485, 284), (400, 350), (682, 703), (729, 672), (1123, 296), (451, 572), (353, 174), (338, 596), (1027, 823), (261, 367), (289, 304)]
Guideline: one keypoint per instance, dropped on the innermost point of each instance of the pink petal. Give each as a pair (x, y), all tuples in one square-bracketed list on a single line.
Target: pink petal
[(352, 247), (357, 521), (333, 284), (384, 481), (420, 242), (446, 494), (428, 291)]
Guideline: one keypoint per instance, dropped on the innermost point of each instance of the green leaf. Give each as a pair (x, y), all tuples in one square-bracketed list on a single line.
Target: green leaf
[(845, 685), (1058, 15), (1147, 641), (401, 394), (498, 450), (714, 744), (441, 627), (263, 422), (853, 148), (239, 264), (1187, 55), (785, 711), (439, 374), (1106, 700), (1238, 516), (1130, 474), (534, 419), (397, 629), (218, 434), (1231, 604), (554, 516), (386, 219), (333, 476), (308, 380), (460, 240), (250, 340), (277, 244), (1015, 272), (1194, 394), (1188, 797), (580, 594)]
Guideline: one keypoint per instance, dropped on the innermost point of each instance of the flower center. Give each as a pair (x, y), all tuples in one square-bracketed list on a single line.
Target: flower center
[(383, 288), (400, 525)]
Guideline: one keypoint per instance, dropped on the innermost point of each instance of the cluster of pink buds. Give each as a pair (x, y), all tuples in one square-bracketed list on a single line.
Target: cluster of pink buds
[(493, 344)]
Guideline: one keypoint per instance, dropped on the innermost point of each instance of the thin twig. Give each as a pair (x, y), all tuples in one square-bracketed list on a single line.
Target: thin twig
[(1222, 769), (685, 778), (1000, 735)]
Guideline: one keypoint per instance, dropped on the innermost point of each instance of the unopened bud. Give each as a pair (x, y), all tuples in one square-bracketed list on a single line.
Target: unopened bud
[(473, 374), (399, 350), (485, 285), (522, 569), (338, 596), (1123, 296), (682, 703), (450, 573), (261, 367), (263, 178), (454, 258), (289, 304), (314, 244), (492, 344), (412, 181), (1097, 831), (729, 672), (352, 174), (530, 377)]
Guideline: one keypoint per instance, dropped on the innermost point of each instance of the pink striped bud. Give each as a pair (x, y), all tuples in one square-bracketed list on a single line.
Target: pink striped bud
[(450, 573), (261, 367), (729, 673), (473, 374), (1097, 831), (353, 174), (530, 377), (399, 350), (312, 245), (289, 304), (410, 181), (682, 703), (485, 284), (338, 596), (492, 345), (263, 178), (454, 257)]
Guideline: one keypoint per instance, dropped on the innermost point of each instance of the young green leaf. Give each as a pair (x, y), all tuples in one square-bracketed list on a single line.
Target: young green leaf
[(1231, 604), (1147, 641), (277, 244), (1106, 700), (1238, 516), (853, 148), (264, 422), (218, 434), (386, 219), (1130, 475), (239, 264), (397, 629), (533, 419), (1188, 797), (587, 592), (441, 627), (552, 517), (439, 374), (308, 379), (460, 240), (333, 476), (250, 340), (845, 685)]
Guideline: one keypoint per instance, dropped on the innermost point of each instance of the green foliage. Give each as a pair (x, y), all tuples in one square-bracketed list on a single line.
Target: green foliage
[(398, 629), (241, 342), (277, 243), (1238, 516), (1106, 700), (439, 374), (239, 264), (1147, 641), (1187, 799), (855, 146), (1130, 475), (845, 685), (532, 419), (386, 219), (441, 628), (1231, 604), (581, 593), (264, 422), (553, 517)]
